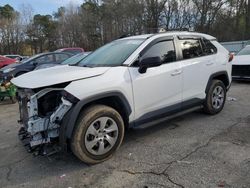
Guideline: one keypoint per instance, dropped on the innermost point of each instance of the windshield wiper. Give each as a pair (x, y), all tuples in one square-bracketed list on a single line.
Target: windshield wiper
[(87, 66)]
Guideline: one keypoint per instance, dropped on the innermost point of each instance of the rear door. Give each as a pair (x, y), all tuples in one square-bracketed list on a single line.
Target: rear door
[(197, 68)]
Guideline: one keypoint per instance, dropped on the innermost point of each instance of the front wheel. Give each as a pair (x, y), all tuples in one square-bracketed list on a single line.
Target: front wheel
[(98, 134), (215, 98)]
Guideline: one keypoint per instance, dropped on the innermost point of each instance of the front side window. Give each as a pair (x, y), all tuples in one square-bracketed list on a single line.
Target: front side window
[(245, 51), (164, 49), (191, 48), (112, 54), (44, 59)]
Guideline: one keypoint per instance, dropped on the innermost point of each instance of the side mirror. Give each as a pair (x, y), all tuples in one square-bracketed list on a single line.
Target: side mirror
[(146, 63)]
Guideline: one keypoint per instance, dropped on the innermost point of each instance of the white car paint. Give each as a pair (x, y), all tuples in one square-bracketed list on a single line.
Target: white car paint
[(56, 75), (159, 87), (241, 60)]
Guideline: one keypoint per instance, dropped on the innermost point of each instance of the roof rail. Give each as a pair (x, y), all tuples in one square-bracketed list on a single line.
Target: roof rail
[(173, 29)]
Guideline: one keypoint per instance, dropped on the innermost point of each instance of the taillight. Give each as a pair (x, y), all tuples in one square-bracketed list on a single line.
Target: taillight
[(231, 57)]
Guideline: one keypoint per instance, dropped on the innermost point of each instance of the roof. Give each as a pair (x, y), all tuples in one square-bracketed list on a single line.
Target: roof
[(170, 33), (73, 48)]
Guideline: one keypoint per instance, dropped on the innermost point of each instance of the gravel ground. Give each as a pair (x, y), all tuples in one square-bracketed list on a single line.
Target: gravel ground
[(195, 150)]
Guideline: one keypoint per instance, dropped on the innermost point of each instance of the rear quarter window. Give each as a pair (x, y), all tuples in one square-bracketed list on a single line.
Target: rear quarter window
[(208, 47)]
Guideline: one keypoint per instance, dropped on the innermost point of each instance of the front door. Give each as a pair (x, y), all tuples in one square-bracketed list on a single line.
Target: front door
[(159, 90)]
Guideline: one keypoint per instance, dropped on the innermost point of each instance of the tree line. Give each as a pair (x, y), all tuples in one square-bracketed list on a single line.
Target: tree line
[(96, 22)]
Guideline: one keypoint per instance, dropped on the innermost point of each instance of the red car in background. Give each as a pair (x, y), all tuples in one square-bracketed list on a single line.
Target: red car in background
[(74, 50), (4, 61)]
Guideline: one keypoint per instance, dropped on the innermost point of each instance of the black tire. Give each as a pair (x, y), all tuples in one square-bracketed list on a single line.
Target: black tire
[(85, 120), (211, 107)]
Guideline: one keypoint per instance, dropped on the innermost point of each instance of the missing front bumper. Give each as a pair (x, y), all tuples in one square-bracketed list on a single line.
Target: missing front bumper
[(40, 134)]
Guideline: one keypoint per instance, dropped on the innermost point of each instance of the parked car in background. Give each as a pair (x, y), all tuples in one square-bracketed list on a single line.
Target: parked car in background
[(17, 57), (71, 50), (71, 61), (25, 58), (30, 64), (241, 65), (5, 61)]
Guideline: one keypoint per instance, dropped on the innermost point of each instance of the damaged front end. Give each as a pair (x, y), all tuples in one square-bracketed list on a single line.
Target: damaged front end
[(41, 114)]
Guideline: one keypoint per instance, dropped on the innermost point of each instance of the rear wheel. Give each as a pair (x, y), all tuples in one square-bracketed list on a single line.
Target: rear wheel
[(215, 98), (98, 134)]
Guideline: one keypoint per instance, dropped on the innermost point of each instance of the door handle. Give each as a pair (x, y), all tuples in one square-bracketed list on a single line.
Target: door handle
[(176, 72), (209, 63)]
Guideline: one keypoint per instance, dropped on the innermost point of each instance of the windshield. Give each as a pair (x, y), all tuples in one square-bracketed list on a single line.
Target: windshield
[(245, 51), (75, 59), (112, 54)]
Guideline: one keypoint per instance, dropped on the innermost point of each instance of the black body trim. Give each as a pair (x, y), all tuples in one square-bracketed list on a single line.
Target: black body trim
[(221, 73), (241, 78), (167, 111), (70, 118)]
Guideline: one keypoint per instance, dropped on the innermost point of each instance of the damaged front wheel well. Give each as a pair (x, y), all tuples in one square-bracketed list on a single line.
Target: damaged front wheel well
[(114, 102)]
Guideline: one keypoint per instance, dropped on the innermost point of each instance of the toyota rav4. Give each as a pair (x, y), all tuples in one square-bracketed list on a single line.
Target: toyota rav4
[(133, 81)]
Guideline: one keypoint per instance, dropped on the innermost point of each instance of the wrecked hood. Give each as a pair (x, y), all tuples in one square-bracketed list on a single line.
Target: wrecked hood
[(241, 60), (56, 75)]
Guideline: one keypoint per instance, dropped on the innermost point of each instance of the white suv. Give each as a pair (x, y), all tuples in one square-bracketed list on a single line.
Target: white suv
[(129, 82)]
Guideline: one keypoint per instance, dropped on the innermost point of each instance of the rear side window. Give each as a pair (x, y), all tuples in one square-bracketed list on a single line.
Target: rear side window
[(191, 48), (164, 49), (208, 47), (61, 57)]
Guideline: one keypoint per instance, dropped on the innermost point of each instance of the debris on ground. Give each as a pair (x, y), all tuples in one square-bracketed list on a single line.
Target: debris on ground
[(184, 162), (231, 99), (221, 184), (62, 176)]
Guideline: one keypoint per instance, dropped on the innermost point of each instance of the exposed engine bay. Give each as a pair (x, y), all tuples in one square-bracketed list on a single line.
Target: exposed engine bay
[(40, 115)]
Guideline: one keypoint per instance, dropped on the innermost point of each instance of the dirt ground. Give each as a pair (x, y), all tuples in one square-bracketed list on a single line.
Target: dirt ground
[(195, 150)]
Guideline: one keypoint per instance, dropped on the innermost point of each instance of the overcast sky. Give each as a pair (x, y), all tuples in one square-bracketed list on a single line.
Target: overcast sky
[(40, 6)]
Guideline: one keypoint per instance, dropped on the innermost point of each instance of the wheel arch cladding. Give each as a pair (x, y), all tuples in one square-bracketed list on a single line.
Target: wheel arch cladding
[(114, 99), (222, 75)]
